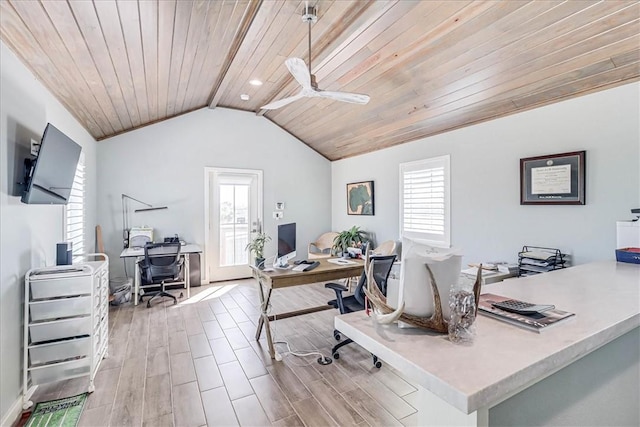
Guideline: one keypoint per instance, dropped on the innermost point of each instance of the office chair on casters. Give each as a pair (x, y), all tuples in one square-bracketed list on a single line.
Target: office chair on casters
[(162, 263), (381, 269)]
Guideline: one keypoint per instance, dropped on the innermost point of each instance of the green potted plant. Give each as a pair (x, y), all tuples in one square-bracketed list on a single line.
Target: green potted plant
[(351, 238), (257, 247)]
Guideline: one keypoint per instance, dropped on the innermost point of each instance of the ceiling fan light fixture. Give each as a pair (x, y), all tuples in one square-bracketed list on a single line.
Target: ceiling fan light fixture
[(301, 72), (309, 14)]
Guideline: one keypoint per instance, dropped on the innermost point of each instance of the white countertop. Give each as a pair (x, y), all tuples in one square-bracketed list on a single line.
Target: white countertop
[(505, 359), (189, 248)]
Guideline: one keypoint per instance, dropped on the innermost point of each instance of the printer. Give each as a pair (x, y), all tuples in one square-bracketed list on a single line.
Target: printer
[(628, 232), (628, 239), (140, 236)]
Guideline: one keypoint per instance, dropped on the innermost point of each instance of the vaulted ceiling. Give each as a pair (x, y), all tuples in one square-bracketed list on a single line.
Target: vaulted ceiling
[(428, 66)]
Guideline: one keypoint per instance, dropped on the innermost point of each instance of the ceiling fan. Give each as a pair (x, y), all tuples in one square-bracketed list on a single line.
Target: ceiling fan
[(303, 76)]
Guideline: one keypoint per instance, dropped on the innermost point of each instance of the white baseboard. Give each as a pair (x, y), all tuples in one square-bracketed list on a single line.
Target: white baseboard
[(12, 414)]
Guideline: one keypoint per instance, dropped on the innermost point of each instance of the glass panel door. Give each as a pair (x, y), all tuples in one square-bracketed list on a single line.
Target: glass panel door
[(234, 225), (235, 212)]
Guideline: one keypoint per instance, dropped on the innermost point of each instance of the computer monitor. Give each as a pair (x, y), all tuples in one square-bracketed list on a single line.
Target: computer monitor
[(286, 244)]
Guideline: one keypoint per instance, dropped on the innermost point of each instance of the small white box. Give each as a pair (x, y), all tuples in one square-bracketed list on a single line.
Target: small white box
[(628, 234)]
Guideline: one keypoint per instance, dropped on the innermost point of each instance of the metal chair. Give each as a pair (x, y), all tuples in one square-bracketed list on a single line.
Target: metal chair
[(162, 263), (381, 269)]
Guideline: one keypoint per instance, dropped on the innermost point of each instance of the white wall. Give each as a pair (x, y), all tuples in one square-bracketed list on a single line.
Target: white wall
[(29, 232), (163, 164), (488, 222)]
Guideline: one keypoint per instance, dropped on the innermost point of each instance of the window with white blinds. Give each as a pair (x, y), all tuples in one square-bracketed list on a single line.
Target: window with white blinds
[(75, 213), (425, 201)]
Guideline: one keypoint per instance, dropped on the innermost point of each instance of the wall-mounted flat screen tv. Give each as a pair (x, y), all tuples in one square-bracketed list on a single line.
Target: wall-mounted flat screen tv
[(49, 176)]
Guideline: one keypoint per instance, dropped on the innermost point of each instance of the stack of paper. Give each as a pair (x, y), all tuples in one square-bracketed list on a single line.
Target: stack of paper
[(340, 261)]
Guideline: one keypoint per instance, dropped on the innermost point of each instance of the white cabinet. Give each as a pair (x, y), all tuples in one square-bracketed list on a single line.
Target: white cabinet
[(66, 326)]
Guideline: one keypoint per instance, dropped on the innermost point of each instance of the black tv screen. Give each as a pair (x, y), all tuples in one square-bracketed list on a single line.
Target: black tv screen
[(50, 176)]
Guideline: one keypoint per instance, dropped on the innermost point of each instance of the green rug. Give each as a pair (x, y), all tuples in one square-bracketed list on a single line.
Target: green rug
[(58, 413)]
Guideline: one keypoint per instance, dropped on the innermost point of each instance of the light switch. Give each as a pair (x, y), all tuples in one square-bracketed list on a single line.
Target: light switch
[(278, 215)]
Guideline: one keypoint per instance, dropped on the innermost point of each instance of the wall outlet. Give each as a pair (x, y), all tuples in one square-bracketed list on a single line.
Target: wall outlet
[(278, 215), (35, 147)]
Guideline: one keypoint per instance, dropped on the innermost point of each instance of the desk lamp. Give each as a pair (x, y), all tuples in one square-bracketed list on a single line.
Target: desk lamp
[(125, 216)]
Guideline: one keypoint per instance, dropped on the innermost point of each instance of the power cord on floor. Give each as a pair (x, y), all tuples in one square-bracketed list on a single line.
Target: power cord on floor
[(322, 360)]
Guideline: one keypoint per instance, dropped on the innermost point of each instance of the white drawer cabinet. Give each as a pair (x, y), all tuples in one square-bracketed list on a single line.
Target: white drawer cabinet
[(66, 323), (59, 308), (44, 354), (68, 283), (42, 332)]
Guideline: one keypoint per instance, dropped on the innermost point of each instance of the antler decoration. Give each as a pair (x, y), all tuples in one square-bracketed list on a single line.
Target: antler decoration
[(436, 322)]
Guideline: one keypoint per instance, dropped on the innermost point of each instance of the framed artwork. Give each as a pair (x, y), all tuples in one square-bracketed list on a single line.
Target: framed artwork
[(360, 198), (556, 179)]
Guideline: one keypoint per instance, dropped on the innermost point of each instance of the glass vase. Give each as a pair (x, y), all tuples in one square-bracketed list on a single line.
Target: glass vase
[(462, 305)]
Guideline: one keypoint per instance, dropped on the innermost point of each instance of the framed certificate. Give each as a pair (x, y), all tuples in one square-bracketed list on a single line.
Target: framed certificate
[(557, 179)]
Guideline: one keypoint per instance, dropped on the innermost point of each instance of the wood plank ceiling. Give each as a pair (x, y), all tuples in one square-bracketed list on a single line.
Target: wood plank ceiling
[(429, 66)]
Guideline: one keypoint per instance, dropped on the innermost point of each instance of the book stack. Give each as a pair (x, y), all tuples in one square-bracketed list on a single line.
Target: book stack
[(533, 322)]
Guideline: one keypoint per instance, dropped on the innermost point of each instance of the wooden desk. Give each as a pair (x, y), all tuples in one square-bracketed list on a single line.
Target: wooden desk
[(270, 280), (138, 254)]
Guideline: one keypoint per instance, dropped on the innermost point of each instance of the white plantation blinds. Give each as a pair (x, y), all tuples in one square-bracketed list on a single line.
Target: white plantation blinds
[(425, 201), (75, 213)]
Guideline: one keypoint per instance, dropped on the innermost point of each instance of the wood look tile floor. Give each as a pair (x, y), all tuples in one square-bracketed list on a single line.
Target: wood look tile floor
[(198, 363)]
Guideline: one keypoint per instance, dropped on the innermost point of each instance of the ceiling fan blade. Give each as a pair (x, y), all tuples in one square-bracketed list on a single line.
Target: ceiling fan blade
[(354, 98), (282, 102), (299, 71)]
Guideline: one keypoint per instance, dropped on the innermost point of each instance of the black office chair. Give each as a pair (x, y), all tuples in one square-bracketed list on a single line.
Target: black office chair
[(162, 263), (381, 269)]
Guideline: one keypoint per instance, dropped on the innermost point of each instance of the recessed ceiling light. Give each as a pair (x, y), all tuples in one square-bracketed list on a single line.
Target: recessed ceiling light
[(255, 82), (244, 97)]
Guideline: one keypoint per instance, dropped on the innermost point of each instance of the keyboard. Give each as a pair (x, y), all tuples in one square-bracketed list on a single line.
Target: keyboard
[(522, 307), (306, 267)]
